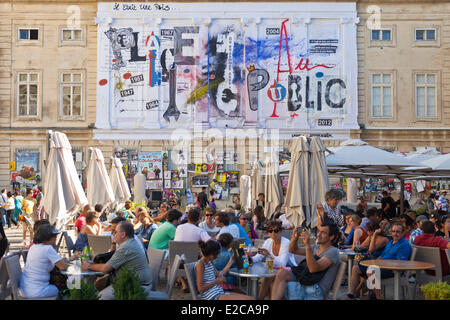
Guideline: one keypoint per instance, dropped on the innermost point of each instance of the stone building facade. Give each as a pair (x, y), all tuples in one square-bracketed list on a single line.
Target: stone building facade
[(49, 62)]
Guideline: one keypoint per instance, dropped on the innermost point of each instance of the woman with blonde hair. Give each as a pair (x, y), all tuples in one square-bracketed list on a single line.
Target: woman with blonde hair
[(146, 229)]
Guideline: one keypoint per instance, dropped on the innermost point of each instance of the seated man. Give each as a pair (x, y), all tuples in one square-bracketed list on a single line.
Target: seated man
[(166, 232), (222, 221), (128, 253), (427, 239), (190, 231), (397, 249), (323, 257)]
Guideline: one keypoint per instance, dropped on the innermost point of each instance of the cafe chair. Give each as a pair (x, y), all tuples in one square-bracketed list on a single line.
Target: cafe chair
[(190, 251), (155, 261), (15, 273), (5, 285), (99, 244), (431, 255), (165, 295), (334, 293), (191, 278)]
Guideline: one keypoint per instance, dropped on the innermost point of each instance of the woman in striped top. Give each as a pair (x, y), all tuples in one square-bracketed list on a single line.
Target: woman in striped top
[(208, 278)]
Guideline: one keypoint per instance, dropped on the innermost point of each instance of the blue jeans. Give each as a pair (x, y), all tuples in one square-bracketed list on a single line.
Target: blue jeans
[(297, 291), (5, 223)]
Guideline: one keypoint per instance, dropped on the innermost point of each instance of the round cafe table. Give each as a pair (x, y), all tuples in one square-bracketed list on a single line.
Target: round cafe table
[(255, 272), (74, 269), (397, 266)]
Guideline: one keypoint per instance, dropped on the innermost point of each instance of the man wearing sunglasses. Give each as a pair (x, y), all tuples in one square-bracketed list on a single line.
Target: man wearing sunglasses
[(397, 249)]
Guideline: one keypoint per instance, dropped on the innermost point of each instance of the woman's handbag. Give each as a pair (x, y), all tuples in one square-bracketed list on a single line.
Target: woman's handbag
[(58, 279), (305, 277)]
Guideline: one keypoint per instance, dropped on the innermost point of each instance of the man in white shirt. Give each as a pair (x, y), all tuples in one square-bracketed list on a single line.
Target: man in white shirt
[(222, 220), (190, 231)]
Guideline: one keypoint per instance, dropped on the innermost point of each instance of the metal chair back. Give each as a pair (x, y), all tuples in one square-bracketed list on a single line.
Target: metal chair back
[(99, 244), (338, 281), (431, 255), (155, 261), (191, 278), (189, 250)]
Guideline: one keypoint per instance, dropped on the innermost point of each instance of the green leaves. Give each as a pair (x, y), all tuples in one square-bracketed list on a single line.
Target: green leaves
[(436, 291), (87, 291), (127, 285)]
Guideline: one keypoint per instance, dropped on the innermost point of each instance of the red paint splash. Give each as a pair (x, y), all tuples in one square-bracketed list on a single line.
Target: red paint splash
[(114, 60), (127, 75), (103, 82)]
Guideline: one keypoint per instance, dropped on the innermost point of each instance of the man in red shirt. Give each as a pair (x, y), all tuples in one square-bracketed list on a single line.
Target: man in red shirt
[(427, 239), (81, 221)]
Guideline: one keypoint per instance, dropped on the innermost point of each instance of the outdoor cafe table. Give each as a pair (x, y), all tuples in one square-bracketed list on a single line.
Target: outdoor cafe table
[(397, 266), (74, 269), (255, 271), (351, 256)]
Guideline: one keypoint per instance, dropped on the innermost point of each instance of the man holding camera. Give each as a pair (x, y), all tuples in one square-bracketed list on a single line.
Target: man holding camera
[(322, 263)]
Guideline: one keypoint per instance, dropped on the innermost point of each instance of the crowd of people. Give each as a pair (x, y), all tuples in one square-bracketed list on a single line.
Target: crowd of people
[(384, 233)]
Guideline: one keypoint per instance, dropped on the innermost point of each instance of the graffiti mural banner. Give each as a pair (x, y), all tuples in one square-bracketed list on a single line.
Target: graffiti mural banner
[(264, 65)]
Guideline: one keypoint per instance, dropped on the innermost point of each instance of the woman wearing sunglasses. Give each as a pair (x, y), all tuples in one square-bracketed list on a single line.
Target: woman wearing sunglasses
[(276, 248), (243, 221), (209, 225)]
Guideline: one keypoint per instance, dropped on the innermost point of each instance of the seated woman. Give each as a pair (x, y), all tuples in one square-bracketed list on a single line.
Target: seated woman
[(41, 259), (360, 234), (209, 279), (222, 260), (243, 221), (348, 231), (376, 240), (91, 227), (36, 226), (276, 248), (408, 223), (145, 231)]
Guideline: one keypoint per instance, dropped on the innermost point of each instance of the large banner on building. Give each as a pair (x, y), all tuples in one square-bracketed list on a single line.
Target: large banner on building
[(262, 65)]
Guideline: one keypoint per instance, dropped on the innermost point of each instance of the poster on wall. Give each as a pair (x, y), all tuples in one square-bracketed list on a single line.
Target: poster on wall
[(200, 181), (27, 165), (277, 72), (177, 184), (167, 184), (183, 171), (167, 175), (154, 184), (150, 164)]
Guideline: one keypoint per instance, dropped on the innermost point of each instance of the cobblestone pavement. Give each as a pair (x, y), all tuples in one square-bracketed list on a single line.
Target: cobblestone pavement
[(15, 239)]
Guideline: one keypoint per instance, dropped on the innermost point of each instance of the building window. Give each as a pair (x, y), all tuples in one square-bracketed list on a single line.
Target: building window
[(382, 101), (28, 34), (71, 94), (427, 34), (27, 94), (426, 95), (381, 35), (72, 34)]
